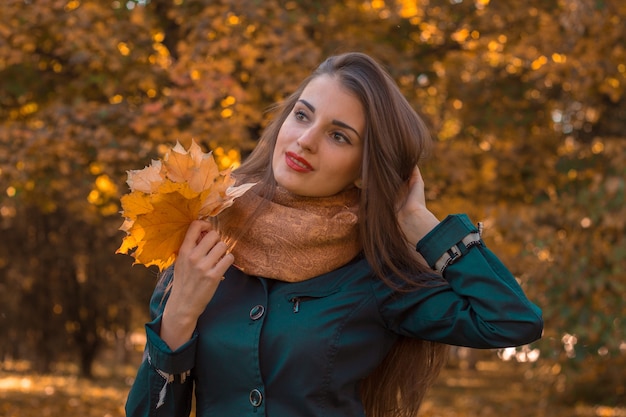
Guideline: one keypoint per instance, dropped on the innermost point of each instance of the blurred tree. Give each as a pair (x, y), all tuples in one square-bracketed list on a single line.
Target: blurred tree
[(525, 99), (65, 147)]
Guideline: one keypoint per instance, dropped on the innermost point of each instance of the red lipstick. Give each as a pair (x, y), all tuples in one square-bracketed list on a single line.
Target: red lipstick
[(297, 163)]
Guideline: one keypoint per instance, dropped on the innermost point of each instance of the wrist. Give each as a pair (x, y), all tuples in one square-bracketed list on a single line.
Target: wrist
[(419, 226), (176, 328)]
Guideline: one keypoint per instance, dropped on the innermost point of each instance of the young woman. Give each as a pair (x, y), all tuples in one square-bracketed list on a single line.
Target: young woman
[(329, 289)]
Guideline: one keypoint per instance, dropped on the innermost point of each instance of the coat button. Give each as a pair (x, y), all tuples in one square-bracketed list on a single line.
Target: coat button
[(256, 312), (256, 398)]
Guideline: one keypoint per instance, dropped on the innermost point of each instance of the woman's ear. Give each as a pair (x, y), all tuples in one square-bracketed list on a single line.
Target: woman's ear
[(358, 183)]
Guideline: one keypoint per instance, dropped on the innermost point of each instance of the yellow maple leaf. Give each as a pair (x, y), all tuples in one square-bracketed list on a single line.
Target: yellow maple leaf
[(166, 197), (163, 229), (135, 204)]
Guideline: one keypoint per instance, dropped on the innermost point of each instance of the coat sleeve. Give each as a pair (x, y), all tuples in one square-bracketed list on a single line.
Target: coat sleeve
[(479, 303), (164, 382)]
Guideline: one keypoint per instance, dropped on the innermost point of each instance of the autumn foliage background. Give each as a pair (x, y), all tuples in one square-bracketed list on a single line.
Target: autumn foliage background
[(526, 101)]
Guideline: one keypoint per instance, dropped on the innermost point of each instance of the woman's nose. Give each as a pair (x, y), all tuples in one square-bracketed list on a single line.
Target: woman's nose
[(308, 139)]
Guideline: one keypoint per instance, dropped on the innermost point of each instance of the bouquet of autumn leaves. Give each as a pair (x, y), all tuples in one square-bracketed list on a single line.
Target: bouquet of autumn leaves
[(166, 196)]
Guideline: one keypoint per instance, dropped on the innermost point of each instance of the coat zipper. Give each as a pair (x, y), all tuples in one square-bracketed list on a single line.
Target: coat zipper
[(296, 304), (297, 300)]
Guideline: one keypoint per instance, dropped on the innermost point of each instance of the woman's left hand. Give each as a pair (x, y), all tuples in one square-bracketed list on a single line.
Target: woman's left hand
[(414, 218)]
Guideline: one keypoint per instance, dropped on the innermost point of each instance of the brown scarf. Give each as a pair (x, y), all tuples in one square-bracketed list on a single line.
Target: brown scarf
[(292, 238)]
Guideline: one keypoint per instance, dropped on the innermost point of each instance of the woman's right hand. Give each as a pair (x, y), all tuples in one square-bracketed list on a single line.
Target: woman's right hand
[(200, 266)]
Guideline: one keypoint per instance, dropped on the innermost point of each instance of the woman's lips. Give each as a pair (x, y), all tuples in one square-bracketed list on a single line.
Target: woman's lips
[(297, 163)]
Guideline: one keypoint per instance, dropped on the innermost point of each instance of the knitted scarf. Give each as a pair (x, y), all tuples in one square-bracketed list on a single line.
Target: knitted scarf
[(291, 238)]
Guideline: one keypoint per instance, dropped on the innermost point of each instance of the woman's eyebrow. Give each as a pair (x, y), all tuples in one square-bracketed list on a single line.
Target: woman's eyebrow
[(346, 126), (309, 105), (335, 122)]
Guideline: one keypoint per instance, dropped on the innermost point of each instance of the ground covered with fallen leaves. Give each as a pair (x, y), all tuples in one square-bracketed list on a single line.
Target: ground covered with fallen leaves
[(493, 388)]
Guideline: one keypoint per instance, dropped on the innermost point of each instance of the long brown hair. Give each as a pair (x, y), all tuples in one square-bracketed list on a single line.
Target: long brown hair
[(395, 137)]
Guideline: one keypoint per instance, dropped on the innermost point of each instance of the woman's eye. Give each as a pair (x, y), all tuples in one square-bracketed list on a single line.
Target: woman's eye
[(340, 137), (299, 114)]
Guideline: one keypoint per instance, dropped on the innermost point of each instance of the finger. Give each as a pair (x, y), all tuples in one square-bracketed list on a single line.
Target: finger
[(224, 263), (417, 182), (206, 241), (215, 269), (417, 172), (194, 232), (214, 255), (416, 176)]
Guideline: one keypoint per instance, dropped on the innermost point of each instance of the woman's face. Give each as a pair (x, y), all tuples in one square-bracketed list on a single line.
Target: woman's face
[(320, 145)]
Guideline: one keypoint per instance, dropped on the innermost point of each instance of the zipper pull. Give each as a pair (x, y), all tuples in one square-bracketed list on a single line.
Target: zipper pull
[(296, 304)]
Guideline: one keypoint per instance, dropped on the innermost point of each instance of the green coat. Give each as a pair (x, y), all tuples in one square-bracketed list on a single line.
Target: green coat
[(270, 348)]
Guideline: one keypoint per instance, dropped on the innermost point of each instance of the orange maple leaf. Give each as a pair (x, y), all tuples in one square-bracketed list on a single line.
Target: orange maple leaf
[(166, 197), (194, 167), (146, 180)]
